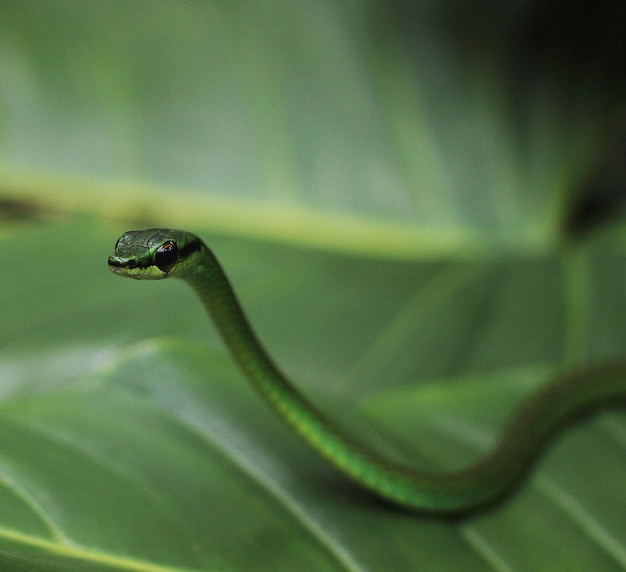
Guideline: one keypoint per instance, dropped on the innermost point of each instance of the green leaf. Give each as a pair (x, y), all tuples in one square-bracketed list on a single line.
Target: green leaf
[(124, 450), (392, 220)]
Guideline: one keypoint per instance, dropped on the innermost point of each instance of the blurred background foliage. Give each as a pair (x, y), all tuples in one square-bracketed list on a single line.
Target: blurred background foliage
[(488, 117), (422, 205)]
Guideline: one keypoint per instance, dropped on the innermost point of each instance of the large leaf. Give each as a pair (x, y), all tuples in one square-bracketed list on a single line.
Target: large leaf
[(292, 116), (156, 451), (442, 295)]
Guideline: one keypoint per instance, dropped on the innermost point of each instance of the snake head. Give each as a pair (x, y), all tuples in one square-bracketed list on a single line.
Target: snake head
[(152, 254)]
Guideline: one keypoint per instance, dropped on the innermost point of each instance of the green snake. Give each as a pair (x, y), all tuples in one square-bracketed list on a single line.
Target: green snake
[(157, 253)]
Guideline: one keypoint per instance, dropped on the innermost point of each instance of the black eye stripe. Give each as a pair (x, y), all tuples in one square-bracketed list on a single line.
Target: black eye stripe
[(190, 248)]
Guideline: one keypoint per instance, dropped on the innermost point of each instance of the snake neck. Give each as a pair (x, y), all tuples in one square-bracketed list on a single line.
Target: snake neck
[(211, 284)]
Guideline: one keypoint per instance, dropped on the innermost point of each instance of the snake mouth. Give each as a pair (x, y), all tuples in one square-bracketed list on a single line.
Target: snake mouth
[(117, 263), (133, 268), (116, 269), (123, 266)]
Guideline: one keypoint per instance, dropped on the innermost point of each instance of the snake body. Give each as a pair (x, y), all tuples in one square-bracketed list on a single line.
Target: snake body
[(154, 254)]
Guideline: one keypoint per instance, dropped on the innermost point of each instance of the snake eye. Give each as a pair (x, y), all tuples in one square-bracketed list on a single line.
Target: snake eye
[(166, 256)]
